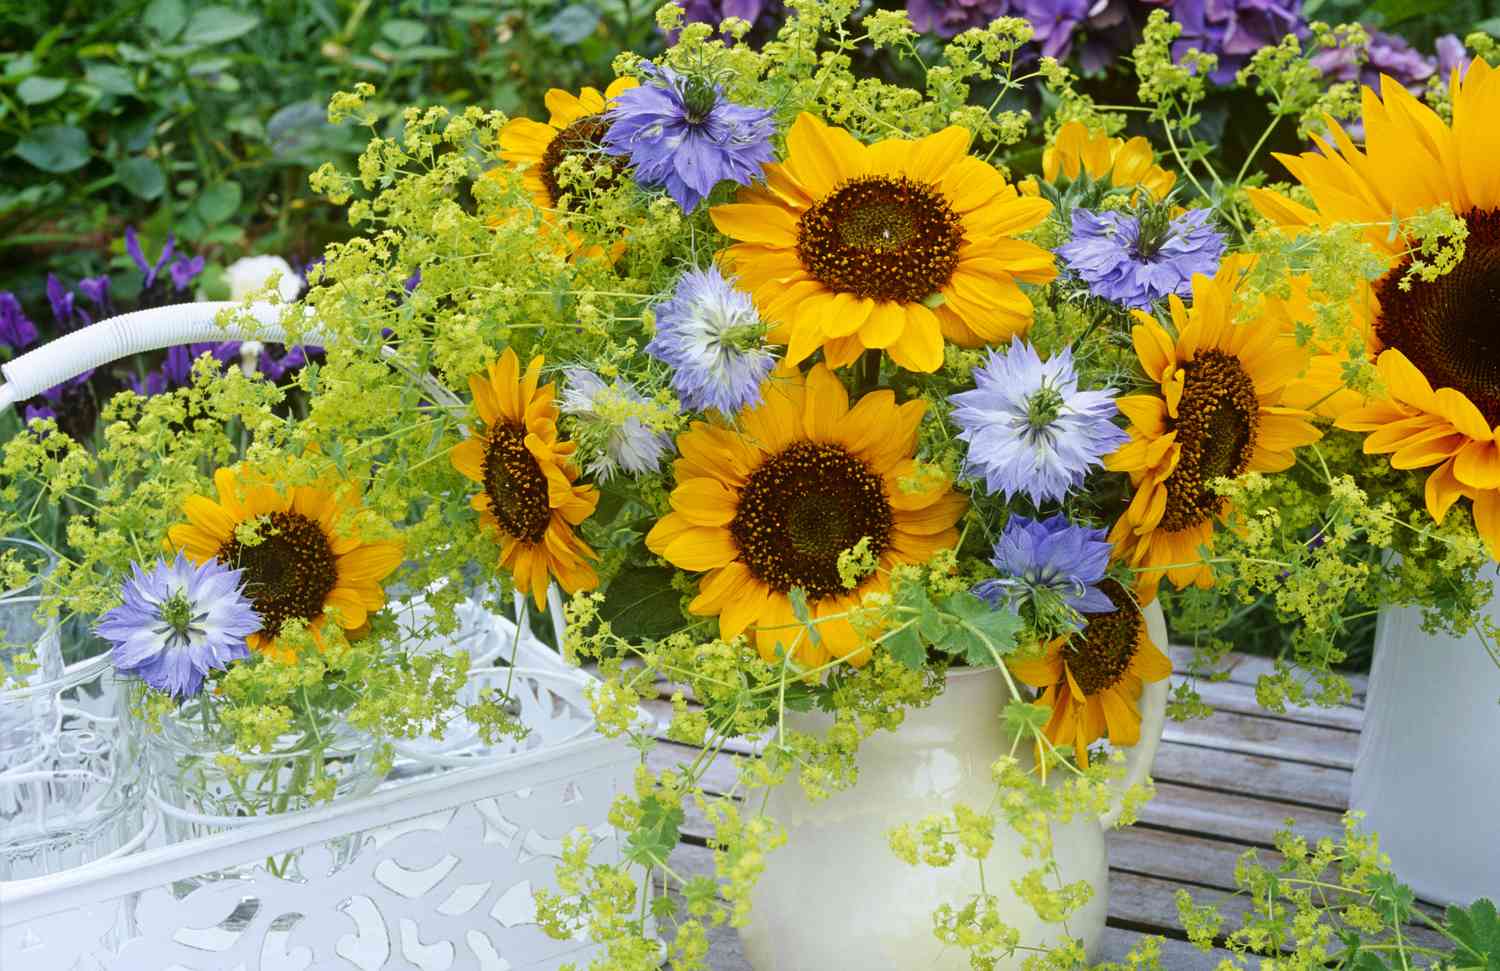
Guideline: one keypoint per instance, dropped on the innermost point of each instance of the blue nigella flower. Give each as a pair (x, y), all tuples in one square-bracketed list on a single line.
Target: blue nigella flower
[(681, 133), (710, 333), (1052, 554), (178, 623), (1030, 430), (17, 332), (628, 443), (1135, 261)]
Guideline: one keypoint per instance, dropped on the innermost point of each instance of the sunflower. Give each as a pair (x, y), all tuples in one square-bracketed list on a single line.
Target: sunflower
[(1435, 343), (1078, 150), (1219, 413), (1092, 680), (891, 246), (306, 559), (771, 506), (529, 492), (576, 128)]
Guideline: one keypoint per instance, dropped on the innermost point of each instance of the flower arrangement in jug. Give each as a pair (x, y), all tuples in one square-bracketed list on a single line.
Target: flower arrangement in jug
[(788, 393), (802, 400)]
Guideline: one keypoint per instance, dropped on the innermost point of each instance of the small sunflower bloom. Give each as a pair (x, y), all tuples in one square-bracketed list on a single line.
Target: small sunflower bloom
[(1077, 151), (893, 246), (1218, 412), (768, 506), (304, 558), (529, 495), (1093, 680), (576, 128)]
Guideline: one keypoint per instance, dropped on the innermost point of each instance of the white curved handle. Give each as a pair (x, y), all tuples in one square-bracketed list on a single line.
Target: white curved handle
[(119, 337), (1138, 757)]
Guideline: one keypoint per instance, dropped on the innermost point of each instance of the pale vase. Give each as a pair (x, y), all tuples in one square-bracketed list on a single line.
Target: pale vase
[(1425, 776), (836, 898)]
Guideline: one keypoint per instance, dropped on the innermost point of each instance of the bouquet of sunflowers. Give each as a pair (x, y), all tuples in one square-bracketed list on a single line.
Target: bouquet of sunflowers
[(807, 403)]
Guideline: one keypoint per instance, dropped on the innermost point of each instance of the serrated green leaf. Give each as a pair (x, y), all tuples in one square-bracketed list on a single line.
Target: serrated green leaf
[(1478, 931), (1023, 718), (656, 836), (988, 631), (905, 645), (663, 906), (642, 604), (800, 610)]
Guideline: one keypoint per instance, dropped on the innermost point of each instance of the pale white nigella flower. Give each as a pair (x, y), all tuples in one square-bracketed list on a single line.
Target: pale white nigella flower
[(604, 410)]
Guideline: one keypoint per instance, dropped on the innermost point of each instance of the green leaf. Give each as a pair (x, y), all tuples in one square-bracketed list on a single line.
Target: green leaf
[(219, 202), (215, 25), (404, 33), (1023, 718), (110, 78), (37, 90), (905, 645), (656, 837), (804, 616), (55, 148), (642, 604), (664, 906), (1395, 11), (998, 626), (572, 24), (165, 18), (142, 177), (1478, 930)]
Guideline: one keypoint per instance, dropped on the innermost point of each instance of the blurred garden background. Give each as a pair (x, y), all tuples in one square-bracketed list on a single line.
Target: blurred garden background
[(150, 145)]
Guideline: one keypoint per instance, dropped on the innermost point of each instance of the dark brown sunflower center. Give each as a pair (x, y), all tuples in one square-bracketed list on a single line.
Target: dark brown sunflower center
[(515, 484), (801, 509), (1449, 328), (289, 573), (883, 237), (583, 139), (1216, 424), (1099, 654)]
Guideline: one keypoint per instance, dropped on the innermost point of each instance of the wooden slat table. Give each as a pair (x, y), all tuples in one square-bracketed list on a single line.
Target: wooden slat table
[(1223, 784)]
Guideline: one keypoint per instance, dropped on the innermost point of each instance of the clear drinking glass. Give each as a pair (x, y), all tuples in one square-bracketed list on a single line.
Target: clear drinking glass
[(71, 771)]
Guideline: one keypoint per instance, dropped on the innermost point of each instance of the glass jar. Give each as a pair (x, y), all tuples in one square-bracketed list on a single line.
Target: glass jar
[(204, 785)]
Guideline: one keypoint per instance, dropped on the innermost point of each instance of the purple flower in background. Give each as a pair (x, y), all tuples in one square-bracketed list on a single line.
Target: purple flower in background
[(1029, 427), (154, 383), (62, 301), (712, 337), (1385, 54), (765, 16), (148, 270), (178, 622), (1233, 29), (1135, 261), (184, 270), (1452, 55), (95, 289), (69, 403), (681, 133), (16, 330), (1054, 555), (949, 17)]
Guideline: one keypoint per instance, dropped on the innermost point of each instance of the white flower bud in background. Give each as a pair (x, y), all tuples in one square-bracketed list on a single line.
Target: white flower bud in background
[(251, 273)]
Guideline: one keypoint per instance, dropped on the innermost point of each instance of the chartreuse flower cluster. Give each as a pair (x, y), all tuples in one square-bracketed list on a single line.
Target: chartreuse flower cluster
[(803, 399)]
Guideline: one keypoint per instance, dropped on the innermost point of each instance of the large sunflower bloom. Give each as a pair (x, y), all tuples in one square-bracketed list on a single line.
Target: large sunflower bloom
[(1219, 413), (1076, 150), (1092, 680), (529, 492), (891, 246), (1435, 343), (576, 127), (770, 507), (306, 561)]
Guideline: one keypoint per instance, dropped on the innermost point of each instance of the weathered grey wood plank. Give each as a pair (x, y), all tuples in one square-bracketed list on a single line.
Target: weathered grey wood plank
[(1247, 819), (1297, 783), (1277, 739), (1248, 668)]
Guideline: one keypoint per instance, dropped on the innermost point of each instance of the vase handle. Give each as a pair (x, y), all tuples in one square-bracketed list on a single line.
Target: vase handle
[(1140, 756)]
